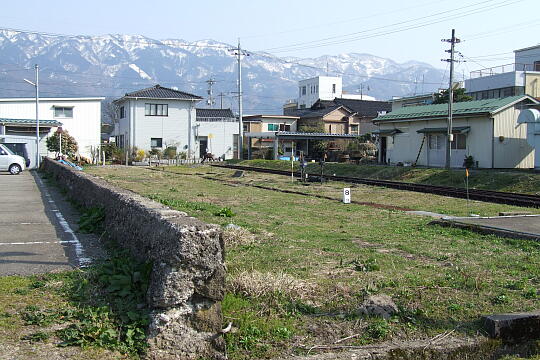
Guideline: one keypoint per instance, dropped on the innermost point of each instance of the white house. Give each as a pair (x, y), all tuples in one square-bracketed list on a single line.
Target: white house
[(81, 117), (159, 117), (487, 130)]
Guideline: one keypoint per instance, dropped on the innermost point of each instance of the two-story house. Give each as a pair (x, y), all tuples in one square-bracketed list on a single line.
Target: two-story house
[(80, 116), (156, 117), (159, 117)]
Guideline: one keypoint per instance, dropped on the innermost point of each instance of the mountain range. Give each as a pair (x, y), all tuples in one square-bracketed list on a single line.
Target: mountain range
[(111, 65)]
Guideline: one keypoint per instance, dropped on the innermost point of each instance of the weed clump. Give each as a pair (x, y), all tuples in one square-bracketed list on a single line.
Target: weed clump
[(238, 236), (91, 220), (256, 284)]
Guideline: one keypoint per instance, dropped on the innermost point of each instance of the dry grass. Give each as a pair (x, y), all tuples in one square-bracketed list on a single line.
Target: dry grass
[(234, 237), (256, 284)]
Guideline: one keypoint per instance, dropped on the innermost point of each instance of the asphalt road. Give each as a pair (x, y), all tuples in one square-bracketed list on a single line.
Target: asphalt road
[(36, 227)]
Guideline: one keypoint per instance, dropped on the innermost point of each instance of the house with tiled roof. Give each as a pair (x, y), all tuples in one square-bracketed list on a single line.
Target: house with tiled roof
[(487, 130), (158, 117)]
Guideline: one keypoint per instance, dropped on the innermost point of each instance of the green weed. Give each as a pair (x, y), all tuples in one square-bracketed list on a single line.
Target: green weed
[(91, 220)]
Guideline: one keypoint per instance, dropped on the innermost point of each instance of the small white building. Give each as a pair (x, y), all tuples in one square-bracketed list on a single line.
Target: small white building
[(318, 88), (81, 117), (487, 130), (159, 117), (216, 133)]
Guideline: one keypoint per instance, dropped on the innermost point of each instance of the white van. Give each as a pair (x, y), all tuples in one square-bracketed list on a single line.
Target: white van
[(10, 162)]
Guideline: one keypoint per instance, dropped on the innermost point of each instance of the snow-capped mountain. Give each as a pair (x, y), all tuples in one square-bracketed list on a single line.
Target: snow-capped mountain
[(112, 65)]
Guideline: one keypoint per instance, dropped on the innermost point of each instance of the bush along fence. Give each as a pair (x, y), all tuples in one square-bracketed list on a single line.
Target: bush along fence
[(187, 280)]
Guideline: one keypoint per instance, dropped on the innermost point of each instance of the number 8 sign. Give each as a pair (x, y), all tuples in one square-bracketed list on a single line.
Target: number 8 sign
[(346, 195)]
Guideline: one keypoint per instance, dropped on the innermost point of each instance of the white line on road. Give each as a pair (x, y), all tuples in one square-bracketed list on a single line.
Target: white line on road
[(79, 251), (41, 242)]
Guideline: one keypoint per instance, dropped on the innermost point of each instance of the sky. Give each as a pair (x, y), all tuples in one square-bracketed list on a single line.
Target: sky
[(400, 30)]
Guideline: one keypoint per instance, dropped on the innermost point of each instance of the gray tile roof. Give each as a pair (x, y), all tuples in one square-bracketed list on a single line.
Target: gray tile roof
[(159, 92), (214, 113), (29, 122), (366, 108), (313, 113)]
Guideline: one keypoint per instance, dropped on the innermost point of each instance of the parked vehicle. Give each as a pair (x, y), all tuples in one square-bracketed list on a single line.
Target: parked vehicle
[(19, 149), (11, 162)]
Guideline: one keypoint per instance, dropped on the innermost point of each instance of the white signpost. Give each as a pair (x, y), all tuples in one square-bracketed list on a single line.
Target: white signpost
[(346, 195)]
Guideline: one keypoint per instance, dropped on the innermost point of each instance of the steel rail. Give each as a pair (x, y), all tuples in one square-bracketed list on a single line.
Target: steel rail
[(499, 197)]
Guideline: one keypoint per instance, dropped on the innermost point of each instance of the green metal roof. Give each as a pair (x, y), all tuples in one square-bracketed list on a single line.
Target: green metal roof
[(30, 122), (455, 129), (487, 106)]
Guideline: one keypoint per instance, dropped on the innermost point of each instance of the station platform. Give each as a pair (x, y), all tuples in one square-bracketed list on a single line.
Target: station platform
[(519, 226)]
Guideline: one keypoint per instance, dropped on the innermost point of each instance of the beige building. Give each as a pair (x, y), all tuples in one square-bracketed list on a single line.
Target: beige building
[(261, 124), (487, 130)]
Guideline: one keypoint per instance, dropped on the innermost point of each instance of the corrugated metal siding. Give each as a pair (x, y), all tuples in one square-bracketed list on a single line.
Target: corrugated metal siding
[(513, 151)]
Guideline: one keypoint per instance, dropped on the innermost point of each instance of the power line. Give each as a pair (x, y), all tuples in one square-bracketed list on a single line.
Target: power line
[(340, 40)]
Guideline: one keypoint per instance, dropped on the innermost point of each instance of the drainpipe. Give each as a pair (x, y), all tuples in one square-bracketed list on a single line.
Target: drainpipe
[(189, 130), (492, 143)]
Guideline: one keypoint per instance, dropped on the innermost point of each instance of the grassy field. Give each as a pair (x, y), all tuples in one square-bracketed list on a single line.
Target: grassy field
[(301, 266), (501, 180)]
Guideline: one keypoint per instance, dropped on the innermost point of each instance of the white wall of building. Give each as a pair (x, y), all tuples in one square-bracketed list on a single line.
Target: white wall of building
[(220, 135), (320, 87), (497, 81), (84, 126)]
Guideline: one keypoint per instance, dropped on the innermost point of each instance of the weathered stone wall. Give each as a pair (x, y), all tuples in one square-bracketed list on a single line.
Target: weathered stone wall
[(188, 276)]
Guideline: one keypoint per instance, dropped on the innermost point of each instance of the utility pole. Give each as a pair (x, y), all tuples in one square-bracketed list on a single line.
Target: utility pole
[(211, 100), (35, 84), (449, 135), (37, 115), (221, 100), (239, 53)]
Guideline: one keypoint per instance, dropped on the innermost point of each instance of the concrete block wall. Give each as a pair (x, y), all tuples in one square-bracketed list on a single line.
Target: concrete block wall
[(188, 276)]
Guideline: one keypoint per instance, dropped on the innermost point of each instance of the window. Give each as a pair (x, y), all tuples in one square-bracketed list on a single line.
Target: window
[(119, 141), (156, 110), (537, 66), (303, 90), (436, 142), (122, 112), (354, 129), (273, 127), (156, 142), (459, 142), (63, 112), (284, 127), (333, 88), (245, 126)]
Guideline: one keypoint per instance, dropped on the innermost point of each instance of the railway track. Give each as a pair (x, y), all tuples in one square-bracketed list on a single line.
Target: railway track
[(474, 194)]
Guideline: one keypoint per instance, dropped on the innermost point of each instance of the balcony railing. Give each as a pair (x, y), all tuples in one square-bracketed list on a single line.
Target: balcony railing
[(501, 69)]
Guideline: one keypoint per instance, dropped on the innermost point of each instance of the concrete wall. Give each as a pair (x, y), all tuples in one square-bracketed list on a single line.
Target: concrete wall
[(188, 276), (497, 81), (84, 126)]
